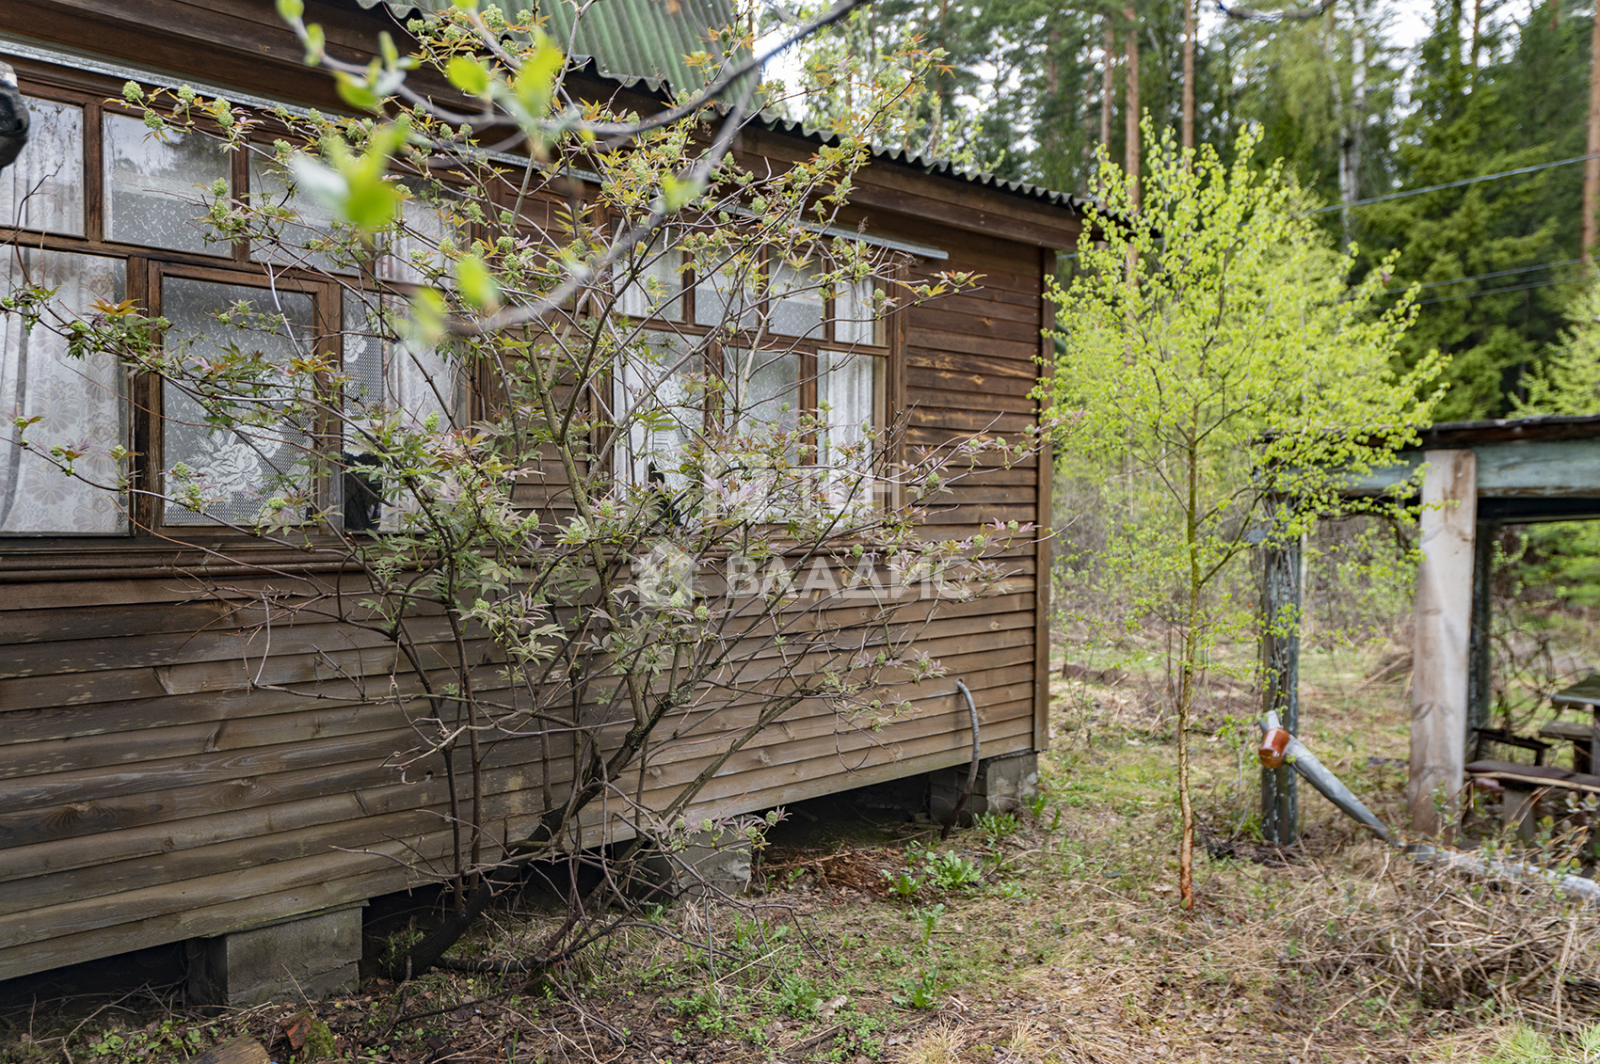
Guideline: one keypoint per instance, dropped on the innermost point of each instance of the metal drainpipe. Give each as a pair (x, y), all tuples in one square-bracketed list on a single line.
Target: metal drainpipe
[(972, 772)]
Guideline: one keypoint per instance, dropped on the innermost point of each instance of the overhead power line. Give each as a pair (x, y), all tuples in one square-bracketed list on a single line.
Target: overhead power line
[(1484, 276), (1493, 291), (1456, 184)]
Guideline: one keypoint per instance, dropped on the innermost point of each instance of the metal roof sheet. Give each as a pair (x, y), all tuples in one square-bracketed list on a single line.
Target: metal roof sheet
[(610, 44), (626, 39)]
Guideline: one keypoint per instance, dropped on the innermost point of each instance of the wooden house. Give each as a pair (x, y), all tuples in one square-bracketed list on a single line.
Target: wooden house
[(149, 794)]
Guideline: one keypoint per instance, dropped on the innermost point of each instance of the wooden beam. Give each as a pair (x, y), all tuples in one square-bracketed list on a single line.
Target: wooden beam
[(1479, 681), (1443, 636), (1540, 469), (1042, 567), (1281, 660)]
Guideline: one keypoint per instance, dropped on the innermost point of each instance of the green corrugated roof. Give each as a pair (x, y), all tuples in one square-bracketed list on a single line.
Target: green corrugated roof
[(628, 39)]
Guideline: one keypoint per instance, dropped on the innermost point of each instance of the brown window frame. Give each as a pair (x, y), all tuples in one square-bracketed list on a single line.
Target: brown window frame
[(145, 269)]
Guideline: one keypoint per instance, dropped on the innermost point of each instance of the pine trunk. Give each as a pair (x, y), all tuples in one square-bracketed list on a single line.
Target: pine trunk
[(1188, 75), (1591, 167), (1131, 117)]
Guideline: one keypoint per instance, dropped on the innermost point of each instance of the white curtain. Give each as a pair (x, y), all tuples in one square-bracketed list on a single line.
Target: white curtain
[(79, 402), (157, 185), (287, 245), (851, 388), (657, 385), (237, 469), (43, 189)]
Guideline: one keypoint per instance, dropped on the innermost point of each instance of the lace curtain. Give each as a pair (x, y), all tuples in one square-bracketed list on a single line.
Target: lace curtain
[(664, 399), (236, 470), (43, 189), (156, 184), (79, 403)]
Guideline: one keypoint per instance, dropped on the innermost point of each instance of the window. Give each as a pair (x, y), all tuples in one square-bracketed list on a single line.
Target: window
[(79, 403), (773, 347), (232, 473), (101, 208), (43, 189), (152, 180)]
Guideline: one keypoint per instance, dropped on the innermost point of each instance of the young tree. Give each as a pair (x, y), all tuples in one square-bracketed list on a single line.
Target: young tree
[(1226, 388), (603, 519)]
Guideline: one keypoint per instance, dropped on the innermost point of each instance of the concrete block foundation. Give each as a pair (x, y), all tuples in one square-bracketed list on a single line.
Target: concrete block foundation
[(1005, 784), (300, 959)]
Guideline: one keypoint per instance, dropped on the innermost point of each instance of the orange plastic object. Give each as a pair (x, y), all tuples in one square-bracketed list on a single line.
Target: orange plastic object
[(1273, 745)]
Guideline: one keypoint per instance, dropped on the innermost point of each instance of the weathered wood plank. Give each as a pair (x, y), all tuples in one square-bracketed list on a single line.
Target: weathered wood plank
[(1443, 636)]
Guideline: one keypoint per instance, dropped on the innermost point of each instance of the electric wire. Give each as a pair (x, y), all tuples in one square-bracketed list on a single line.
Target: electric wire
[(1455, 184), (1493, 291), (1483, 276)]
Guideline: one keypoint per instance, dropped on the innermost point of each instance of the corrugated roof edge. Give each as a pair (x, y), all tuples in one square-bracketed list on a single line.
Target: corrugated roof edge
[(591, 66)]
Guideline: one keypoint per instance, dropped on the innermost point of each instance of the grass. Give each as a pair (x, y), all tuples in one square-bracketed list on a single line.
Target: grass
[(1050, 935)]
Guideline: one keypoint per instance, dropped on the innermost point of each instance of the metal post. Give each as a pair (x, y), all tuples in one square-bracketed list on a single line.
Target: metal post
[(1280, 645), (1480, 687)]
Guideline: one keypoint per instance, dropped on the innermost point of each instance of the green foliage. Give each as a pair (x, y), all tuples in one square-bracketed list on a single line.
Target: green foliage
[(997, 826), (1222, 381), (1526, 1045), (948, 870), (920, 990), (902, 883), (797, 997)]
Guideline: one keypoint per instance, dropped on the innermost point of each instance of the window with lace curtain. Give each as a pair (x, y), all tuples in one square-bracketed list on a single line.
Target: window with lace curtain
[(100, 208), (769, 346)]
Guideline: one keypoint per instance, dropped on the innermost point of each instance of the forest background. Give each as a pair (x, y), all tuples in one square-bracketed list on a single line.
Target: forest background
[(1364, 100)]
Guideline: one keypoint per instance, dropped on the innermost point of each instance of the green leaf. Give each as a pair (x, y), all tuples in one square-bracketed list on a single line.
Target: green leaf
[(372, 202), (356, 92), (291, 10), (469, 75), (477, 284), (536, 80), (677, 194), (316, 44)]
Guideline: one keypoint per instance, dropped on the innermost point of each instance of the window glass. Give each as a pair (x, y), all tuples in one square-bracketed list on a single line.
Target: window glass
[(797, 301), (855, 316), (389, 375), (79, 403), (236, 470), (723, 295), (290, 241), (762, 388), (848, 391), (157, 184), (658, 396), (43, 188), (652, 283), (388, 378), (413, 247)]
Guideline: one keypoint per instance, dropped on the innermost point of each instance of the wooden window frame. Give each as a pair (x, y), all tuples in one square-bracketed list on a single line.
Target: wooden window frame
[(145, 267)]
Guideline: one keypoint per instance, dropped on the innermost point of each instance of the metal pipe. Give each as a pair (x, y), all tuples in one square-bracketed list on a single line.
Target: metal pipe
[(1330, 787), (1327, 784), (972, 772)]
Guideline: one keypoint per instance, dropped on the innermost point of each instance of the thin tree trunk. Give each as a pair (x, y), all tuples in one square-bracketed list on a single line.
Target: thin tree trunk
[(1358, 97), (1188, 75), (1186, 667), (1477, 32), (1108, 84), (1131, 117), (1341, 120), (1591, 168)]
